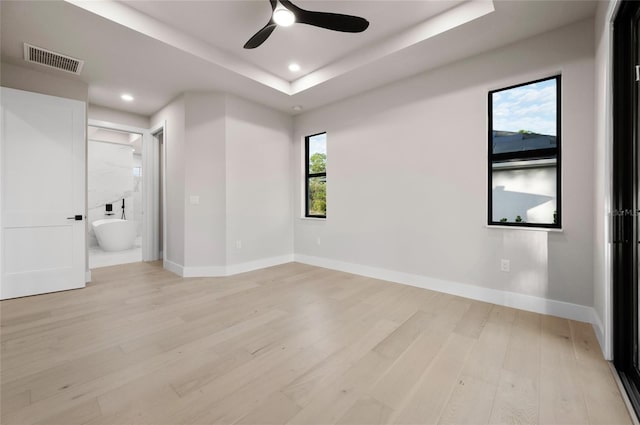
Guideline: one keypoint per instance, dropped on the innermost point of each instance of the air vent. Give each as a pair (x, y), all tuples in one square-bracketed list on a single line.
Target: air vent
[(52, 59)]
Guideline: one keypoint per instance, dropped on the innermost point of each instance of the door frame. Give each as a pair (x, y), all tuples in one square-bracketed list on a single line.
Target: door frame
[(156, 129), (150, 248), (625, 202)]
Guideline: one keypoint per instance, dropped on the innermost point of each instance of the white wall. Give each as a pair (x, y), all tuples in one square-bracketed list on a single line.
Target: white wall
[(56, 83), (407, 175), (110, 179), (137, 195), (101, 113), (204, 166), (602, 183), (228, 180), (258, 178)]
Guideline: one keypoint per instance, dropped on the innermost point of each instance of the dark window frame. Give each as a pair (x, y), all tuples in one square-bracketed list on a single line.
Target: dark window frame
[(308, 175), (527, 155)]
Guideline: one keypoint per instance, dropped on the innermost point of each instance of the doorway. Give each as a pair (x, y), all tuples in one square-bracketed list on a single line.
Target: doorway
[(114, 196), (625, 237), (124, 178)]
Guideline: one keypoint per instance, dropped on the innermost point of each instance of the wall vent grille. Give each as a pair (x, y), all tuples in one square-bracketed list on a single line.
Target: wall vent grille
[(52, 59)]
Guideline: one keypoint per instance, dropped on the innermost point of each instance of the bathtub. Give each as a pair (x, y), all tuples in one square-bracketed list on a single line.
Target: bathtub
[(114, 234)]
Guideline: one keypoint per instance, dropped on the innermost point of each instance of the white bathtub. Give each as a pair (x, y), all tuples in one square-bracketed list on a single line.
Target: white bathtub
[(114, 234)]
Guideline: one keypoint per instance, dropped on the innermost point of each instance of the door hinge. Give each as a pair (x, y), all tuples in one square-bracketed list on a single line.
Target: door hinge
[(637, 72)]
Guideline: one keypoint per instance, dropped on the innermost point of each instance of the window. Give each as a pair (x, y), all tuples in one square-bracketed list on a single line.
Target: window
[(316, 175), (524, 155)]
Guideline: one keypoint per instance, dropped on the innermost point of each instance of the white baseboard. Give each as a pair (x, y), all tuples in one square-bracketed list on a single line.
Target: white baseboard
[(598, 328), (508, 299), (87, 276), (258, 264), (505, 298), (203, 271), (220, 271), (173, 267)]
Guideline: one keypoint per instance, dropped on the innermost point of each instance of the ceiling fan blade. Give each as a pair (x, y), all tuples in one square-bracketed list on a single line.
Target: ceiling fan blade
[(331, 21), (261, 36)]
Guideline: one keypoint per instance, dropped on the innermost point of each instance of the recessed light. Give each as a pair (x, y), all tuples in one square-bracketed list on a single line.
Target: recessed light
[(127, 97), (297, 108), (283, 17), (294, 67)]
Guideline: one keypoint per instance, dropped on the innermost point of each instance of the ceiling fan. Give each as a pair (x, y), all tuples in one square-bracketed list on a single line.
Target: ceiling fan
[(285, 13)]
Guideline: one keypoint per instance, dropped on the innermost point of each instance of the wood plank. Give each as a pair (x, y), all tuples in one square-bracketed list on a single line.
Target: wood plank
[(604, 402), (561, 398), (366, 411), (276, 410), (516, 400), (291, 343), (334, 400), (430, 397), (474, 320), (397, 384), (393, 345)]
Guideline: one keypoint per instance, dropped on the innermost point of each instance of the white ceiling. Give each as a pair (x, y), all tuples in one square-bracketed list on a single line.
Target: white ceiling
[(309, 46), (159, 49)]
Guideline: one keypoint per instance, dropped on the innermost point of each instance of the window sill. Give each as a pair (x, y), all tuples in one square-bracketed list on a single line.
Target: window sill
[(314, 218), (535, 229)]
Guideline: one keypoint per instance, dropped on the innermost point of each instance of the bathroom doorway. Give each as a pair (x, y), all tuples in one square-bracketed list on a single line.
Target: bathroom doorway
[(114, 196), (141, 185)]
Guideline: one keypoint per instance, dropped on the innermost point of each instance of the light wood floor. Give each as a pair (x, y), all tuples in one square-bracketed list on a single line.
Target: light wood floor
[(292, 344)]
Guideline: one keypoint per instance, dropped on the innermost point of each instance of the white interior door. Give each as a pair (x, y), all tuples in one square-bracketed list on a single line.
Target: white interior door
[(43, 190)]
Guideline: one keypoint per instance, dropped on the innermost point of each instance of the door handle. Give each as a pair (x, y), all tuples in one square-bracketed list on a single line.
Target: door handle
[(75, 217)]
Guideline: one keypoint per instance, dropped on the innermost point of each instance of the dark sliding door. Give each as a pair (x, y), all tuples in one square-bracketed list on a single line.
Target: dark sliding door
[(625, 238)]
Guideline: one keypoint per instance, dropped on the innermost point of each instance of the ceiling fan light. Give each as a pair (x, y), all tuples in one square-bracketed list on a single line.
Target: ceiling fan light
[(283, 17)]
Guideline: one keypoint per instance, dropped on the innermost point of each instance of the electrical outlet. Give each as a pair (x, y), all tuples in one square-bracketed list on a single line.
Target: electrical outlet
[(194, 200), (505, 265), (318, 240), (239, 244)]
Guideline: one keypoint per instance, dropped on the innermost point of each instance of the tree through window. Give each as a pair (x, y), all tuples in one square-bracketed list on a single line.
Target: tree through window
[(316, 175)]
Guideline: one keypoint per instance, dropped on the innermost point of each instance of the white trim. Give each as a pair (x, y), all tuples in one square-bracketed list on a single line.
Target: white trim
[(87, 276), (154, 130), (152, 170), (204, 271), (505, 298), (258, 264), (173, 267), (599, 330), (108, 125), (509, 299), (229, 270)]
